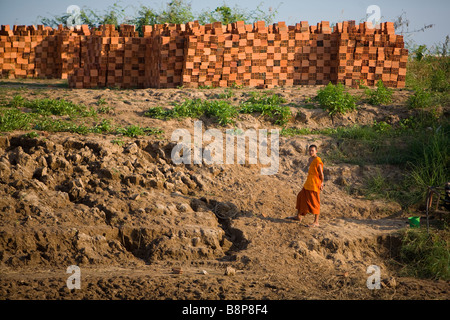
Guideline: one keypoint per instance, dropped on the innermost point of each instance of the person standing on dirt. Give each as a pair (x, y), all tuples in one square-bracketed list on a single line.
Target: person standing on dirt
[(308, 199)]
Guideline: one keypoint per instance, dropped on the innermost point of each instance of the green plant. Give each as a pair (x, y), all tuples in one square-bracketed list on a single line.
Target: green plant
[(47, 106), (17, 101), (227, 94), (158, 113), (424, 255), (132, 131), (119, 142), (234, 85), (295, 131), (103, 127), (430, 163), (420, 99), (222, 111), (267, 105), (14, 119), (420, 52), (382, 95), (31, 134), (381, 127), (335, 99), (440, 77)]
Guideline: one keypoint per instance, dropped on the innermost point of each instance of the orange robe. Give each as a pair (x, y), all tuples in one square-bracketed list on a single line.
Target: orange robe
[(308, 199)]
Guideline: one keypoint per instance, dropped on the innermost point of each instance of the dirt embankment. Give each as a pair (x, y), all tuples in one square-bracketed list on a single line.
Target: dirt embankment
[(126, 215)]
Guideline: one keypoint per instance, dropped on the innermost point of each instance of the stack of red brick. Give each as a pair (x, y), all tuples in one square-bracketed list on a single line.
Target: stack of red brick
[(260, 56), (40, 52), (216, 55), (367, 55)]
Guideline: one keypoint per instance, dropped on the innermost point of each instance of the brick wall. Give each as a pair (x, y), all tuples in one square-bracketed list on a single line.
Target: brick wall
[(192, 55)]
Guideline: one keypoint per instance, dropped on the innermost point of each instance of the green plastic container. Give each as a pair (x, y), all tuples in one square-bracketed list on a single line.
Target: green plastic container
[(414, 222)]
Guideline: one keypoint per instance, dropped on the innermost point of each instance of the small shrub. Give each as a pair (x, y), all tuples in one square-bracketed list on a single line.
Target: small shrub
[(420, 99), (221, 110), (335, 99), (382, 126), (382, 95)]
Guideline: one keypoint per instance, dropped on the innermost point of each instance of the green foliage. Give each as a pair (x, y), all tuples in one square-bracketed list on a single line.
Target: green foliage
[(381, 127), (382, 95), (420, 52), (223, 14), (134, 131), (269, 106), (48, 115), (14, 119), (158, 113), (114, 14), (420, 99), (440, 77), (430, 159), (31, 134), (225, 113), (222, 111), (51, 107), (418, 144), (424, 255), (104, 126), (335, 99), (287, 132), (175, 11), (189, 108)]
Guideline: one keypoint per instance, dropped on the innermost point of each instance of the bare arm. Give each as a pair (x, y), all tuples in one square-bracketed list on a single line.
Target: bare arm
[(321, 176)]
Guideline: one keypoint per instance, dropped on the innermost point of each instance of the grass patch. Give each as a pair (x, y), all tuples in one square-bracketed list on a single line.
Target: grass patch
[(134, 131), (44, 116), (52, 107), (223, 112), (14, 119), (425, 255)]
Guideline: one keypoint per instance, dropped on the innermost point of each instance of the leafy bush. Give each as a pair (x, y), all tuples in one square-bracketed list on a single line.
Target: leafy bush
[(420, 99), (222, 111), (382, 95), (335, 99)]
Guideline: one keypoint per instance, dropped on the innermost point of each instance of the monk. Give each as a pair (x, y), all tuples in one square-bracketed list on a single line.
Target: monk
[(308, 199)]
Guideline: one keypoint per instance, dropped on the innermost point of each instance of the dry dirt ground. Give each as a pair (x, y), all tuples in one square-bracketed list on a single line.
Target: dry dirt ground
[(128, 217)]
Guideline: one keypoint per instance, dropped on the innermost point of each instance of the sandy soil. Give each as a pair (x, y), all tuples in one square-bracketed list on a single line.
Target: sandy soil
[(129, 217)]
